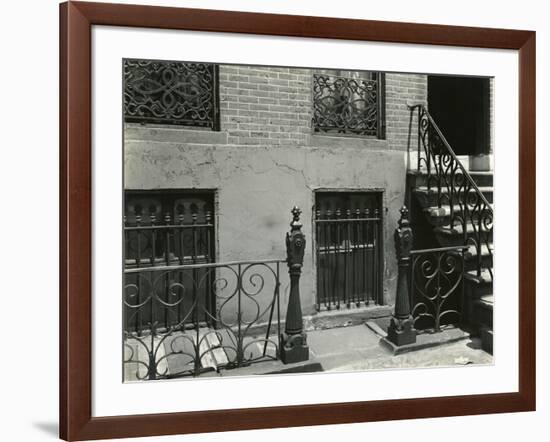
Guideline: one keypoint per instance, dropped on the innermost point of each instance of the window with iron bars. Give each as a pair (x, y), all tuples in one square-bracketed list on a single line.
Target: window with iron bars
[(171, 92), (349, 103), (349, 248), (162, 229)]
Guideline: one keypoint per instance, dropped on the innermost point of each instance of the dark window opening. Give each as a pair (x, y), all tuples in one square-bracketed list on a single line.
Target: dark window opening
[(460, 107)]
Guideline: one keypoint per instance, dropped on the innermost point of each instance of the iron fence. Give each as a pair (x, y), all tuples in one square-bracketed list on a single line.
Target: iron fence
[(437, 286), (184, 334)]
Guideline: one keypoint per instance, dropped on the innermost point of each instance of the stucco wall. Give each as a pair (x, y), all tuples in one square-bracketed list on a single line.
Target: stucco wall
[(265, 159)]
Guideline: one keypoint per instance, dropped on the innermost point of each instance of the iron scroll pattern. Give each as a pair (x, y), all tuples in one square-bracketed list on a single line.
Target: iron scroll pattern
[(169, 92), (469, 211), (437, 286), (243, 328), (346, 105)]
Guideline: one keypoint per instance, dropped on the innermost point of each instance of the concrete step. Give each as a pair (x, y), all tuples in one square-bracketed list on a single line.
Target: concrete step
[(481, 178), (470, 257), (477, 286), (441, 216), (429, 197), (482, 316), (483, 278), (471, 252), (487, 339), (447, 236), (486, 301), (457, 229)]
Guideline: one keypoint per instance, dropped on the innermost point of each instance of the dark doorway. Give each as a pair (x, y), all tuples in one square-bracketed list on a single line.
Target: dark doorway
[(460, 107)]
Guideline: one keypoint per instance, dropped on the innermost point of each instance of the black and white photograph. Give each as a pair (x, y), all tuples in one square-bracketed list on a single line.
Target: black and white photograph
[(244, 221), (293, 220)]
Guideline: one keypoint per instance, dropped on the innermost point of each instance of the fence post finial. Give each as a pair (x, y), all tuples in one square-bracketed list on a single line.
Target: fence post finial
[(294, 346), (401, 329)]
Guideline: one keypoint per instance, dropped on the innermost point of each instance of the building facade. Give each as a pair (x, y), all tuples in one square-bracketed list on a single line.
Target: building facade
[(234, 148)]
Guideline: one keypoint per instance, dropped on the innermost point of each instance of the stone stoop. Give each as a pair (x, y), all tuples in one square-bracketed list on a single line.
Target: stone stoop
[(483, 317), (345, 317), (478, 288)]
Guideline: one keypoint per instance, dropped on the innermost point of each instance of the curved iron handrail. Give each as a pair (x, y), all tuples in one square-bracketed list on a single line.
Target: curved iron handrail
[(455, 186), (452, 153)]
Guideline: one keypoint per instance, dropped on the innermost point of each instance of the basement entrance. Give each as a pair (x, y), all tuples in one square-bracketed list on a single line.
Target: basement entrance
[(460, 107), (348, 248)]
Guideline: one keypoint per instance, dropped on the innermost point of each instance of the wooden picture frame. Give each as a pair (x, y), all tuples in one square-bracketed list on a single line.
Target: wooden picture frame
[(76, 21)]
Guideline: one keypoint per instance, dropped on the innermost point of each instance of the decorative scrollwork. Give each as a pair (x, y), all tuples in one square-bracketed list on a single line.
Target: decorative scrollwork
[(170, 92), (346, 105), (469, 211), (184, 335), (437, 284)]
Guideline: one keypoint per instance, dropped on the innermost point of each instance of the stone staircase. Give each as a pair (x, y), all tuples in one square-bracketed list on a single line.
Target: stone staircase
[(478, 271)]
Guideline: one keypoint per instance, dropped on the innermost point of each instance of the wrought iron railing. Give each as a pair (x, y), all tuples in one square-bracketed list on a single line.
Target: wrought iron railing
[(469, 211), (184, 318), (348, 105), (348, 253), (241, 327), (430, 286), (437, 286), (171, 92)]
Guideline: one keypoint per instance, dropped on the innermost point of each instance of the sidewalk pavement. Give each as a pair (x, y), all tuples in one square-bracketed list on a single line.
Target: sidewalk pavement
[(359, 347)]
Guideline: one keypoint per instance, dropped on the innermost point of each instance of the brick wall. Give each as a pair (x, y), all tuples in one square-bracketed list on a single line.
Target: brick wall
[(273, 106), (403, 89), (265, 105)]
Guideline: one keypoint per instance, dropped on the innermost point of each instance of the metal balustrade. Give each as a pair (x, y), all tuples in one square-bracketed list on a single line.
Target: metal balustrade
[(437, 286), (469, 211)]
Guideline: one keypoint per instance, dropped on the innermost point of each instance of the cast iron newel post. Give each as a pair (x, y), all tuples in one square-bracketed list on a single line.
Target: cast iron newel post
[(294, 346), (401, 329)]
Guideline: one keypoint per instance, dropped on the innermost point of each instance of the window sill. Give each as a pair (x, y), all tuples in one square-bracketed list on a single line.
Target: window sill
[(329, 140), (172, 134)]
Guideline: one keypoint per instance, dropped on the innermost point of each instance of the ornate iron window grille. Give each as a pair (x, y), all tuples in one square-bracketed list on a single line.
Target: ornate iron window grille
[(344, 105), (170, 92)]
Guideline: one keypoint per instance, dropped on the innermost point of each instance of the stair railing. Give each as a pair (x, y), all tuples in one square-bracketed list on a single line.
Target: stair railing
[(447, 177)]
